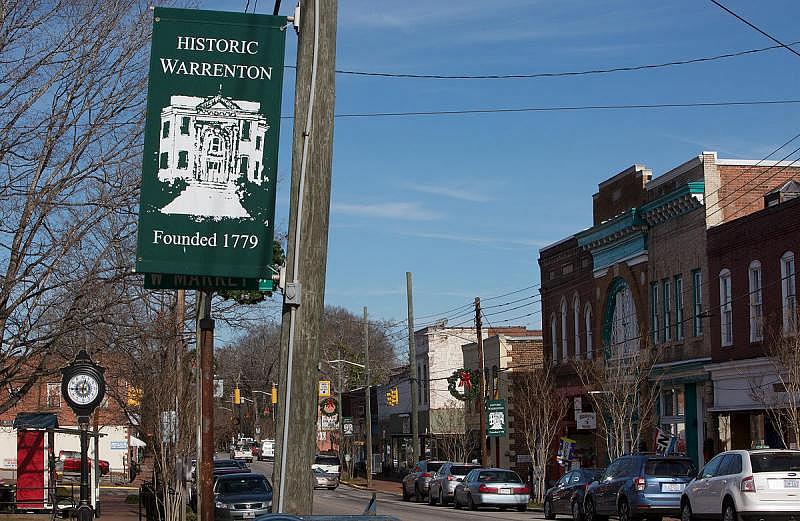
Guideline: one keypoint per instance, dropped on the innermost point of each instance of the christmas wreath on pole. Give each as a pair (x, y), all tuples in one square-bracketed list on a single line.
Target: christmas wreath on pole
[(463, 384), (329, 407)]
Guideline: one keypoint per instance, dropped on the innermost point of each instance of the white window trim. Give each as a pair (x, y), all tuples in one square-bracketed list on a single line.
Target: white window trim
[(697, 303), (756, 293), (654, 313), (667, 300), (587, 317), (725, 308), (788, 293), (680, 310), (554, 337)]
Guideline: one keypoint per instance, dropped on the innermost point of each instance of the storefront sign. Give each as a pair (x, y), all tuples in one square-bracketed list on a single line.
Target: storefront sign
[(496, 418), (329, 423), (210, 149), (347, 425), (524, 458), (586, 421)]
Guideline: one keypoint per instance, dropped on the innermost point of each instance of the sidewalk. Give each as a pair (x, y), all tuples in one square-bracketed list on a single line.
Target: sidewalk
[(378, 485)]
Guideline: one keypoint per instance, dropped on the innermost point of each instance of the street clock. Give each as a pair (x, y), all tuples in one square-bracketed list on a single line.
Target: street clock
[(83, 386)]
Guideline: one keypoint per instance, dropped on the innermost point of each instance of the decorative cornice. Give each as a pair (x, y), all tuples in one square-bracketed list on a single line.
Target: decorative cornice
[(679, 202)]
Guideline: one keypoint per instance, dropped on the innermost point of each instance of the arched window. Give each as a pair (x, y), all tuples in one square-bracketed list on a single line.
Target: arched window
[(756, 300), (788, 293), (726, 307), (576, 320), (620, 327), (564, 329), (587, 317), (554, 337)]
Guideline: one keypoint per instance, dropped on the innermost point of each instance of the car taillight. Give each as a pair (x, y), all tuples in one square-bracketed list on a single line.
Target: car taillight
[(748, 484), (522, 490), (452, 478), (640, 483), (484, 488), (426, 475)]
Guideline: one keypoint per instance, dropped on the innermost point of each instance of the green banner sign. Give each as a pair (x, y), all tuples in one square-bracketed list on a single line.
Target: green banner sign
[(211, 145), (496, 418)]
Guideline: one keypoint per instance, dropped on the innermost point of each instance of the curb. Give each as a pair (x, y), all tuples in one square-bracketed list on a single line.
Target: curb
[(362, 487)]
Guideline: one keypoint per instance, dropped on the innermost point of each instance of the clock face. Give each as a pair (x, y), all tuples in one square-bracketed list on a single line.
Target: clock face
[(83, 389)]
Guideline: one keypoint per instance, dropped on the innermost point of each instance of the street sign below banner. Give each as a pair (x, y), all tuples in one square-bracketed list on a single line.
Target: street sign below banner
[(496, 418), (211, 149)]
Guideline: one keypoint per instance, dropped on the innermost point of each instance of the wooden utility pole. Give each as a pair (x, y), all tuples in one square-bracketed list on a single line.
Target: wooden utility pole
[(412, 371), (368, 406), (312, 152), (205, 462), (482, 395), (340, 418), (180, 317)]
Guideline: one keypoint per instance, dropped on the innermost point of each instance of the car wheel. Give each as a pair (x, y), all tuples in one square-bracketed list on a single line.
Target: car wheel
[(522, 508), (442, 498), (729, 511), (576, 511), (686, 511), (431, 498), (624, 511), (456, 502), (331, 488), (591, 512), (548, 510), (406, 496), (419, 497), (472, 506)]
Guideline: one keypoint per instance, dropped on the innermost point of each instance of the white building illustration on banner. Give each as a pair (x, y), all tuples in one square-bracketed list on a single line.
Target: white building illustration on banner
[(497, 420), (211, 143)]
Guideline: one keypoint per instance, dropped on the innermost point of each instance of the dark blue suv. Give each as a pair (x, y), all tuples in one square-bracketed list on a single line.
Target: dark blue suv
[(639, 485)]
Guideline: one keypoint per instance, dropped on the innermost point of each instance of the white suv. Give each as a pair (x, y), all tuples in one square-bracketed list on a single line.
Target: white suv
[(746, 484)]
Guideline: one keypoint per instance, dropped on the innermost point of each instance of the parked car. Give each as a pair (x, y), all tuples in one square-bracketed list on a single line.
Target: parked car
[(415, 483), (492, 487), (745, 484), (566, 496), (241, 496), (267, 450), (445, 480), (242, 452), (327, 463), (70, 461), (639, 485), (324, 479)]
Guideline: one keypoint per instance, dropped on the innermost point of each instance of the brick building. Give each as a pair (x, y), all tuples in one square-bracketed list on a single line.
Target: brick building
[(505, 357), (639, 278), (752, 291)]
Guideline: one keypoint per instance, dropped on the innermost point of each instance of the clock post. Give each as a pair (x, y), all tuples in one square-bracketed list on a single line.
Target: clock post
[(83, 387)]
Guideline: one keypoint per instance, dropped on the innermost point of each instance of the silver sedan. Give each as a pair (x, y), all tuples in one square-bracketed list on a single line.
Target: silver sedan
[(492, 487)]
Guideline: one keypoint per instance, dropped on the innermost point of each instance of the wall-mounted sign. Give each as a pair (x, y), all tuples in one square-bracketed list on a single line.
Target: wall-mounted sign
[(210, 148), (495, 418), (586, 421), (347, 425), (119, 445), (329, 423)]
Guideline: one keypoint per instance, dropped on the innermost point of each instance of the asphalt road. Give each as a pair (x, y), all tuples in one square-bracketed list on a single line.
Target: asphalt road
[(349, 501)]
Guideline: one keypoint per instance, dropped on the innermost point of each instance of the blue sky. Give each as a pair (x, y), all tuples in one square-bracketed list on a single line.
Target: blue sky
[(465, 202)]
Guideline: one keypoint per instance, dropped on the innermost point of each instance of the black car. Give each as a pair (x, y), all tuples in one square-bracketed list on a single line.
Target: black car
[(241, 496), (566, 496), (639, 485)]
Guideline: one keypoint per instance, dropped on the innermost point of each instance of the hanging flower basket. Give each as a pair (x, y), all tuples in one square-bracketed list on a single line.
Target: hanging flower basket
[(329, 407), (463, 384)]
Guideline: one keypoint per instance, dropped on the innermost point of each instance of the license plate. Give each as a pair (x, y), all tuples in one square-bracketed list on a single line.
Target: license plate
[(791, 483), (505, 491), (248, 515), (672, 487)]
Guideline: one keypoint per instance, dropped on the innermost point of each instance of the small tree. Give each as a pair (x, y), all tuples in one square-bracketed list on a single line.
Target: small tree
[(624, 391), (538, 411), (448, 424), (780, 394)]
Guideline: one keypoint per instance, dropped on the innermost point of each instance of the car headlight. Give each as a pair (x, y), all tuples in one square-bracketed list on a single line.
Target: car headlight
[(223, 506)]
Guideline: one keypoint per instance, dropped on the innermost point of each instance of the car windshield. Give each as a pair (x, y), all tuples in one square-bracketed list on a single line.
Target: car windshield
[(664, 468), (433, 467), (499, 476), (775, 461), (243, 486), (326, 460), (461, 470)]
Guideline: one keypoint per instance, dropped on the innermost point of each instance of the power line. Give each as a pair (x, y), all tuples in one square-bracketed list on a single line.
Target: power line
[(756, 28), (561, 73), (563, 108)]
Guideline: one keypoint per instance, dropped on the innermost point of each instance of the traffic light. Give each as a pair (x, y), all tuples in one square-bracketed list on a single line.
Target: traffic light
[(392, 397), (274, 396), (237, 396)]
